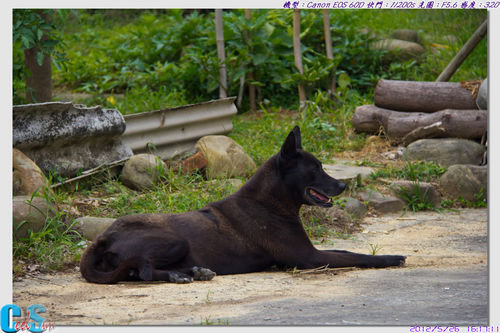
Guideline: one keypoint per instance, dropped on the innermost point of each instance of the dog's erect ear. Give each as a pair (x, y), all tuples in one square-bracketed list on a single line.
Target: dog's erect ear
[(292, 143), (298, 137)]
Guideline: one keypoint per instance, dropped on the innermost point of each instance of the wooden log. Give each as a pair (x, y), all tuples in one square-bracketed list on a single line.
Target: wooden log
[(468, 124), (370, 118), (426, 132), (415, 96)]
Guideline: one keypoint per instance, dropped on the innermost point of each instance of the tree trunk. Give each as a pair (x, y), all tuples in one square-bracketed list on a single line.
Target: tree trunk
[(38, 78), (328, 45), (413, 96), (467, 124), (463, 53), (297, 52), (219, 32), (251, 75)]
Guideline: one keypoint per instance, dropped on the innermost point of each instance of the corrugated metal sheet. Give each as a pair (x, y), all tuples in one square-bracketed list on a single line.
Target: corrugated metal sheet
[(175, 131)]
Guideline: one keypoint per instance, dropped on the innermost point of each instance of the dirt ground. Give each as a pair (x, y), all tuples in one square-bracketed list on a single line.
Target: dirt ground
[(444, 282)]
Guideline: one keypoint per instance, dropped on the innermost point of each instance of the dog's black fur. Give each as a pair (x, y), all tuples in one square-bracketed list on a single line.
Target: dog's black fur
[(251, 230)]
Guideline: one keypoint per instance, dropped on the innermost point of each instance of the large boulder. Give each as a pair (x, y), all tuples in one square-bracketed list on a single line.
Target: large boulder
[(466, 181), (399, 49), (29, 213), (91, 227), (27, 178), (142, 172), (382, 203), (408, 35), (347, 174), (225, 158), (68, 138), (405, 189), (445, 151), (482, 96)]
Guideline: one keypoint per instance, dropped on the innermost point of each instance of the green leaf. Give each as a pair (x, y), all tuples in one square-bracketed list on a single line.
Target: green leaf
[(26, 42), (343, 80)]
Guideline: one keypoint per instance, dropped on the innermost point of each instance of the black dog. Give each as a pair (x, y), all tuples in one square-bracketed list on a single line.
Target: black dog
[(251, 230)]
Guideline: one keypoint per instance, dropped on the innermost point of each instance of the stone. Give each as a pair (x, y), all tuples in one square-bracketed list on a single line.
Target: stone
[(407, 35), (235, 183), (27, 178), (482, 95), (445, 152), (225, 158), (426, 191), (142, 172), (29, 213), (65, 138), (192, 163), (450, 39), (460, 181), (355, 208), (91, 227), (382, 203), (480, 172), (399, 49), (347, 174)]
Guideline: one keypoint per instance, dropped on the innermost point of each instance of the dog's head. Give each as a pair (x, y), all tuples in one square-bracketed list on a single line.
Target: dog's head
[(303, 174)]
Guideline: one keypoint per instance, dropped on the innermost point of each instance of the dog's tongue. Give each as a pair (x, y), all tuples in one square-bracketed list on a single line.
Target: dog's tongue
[(318, 195)]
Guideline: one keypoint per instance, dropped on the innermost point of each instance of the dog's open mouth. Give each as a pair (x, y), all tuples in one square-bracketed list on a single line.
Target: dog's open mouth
[(319, 198)]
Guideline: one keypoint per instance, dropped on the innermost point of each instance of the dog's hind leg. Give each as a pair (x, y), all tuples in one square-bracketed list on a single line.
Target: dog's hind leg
[(171, 276), (183, 275)]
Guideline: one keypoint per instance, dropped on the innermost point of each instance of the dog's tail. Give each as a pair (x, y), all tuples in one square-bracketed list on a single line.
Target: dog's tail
[(92, 256)]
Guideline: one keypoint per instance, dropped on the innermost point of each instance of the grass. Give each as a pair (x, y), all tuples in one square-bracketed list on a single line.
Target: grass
[(412, 170), (54, 247)]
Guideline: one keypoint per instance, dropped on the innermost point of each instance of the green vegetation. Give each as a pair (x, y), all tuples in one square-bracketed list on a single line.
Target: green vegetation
[(54, 247), (415, 171), (141, 60), (415, 198)]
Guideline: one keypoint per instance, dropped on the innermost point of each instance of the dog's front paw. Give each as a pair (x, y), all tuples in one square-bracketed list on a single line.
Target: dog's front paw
[(202, 274), (395, 260), (176, 277)]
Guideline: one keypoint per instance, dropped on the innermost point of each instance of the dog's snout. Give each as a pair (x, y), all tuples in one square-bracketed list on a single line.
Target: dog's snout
[(341, 187)]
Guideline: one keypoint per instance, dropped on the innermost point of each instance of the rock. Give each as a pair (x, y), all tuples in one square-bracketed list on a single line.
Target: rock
[(445, 151), (27, 177), (91, 227), (235, 183), (29, 214), (480, 172), (427, 191), (460, 181), (347, 174), (225, 158), (68, 138), (192, 163), (382, 203), (482, 95), (450, 39), (400, 49), (355, 208), (142, 172), (407, 35)]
